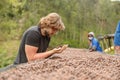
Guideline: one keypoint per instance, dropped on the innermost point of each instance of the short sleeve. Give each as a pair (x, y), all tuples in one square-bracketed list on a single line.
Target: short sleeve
[(95, 44), (33, 38)]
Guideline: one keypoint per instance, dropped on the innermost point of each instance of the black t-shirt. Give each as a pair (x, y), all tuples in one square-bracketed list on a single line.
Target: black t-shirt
[(32, 37)]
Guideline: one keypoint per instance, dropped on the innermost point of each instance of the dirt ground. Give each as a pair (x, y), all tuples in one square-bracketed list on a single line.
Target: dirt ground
[(72, 64)]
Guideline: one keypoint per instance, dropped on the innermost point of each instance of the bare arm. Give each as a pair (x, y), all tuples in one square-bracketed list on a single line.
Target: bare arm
[(93, 48), (31, 52)]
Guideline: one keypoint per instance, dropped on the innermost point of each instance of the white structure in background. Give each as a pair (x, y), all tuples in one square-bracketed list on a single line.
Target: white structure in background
[(115, 0)]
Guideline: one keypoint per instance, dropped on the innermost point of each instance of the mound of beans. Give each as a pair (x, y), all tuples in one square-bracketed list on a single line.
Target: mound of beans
[(71, 64)]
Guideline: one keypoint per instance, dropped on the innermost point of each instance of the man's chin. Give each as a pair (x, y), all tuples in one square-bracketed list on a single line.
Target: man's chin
[(50, 35), (46, 34)]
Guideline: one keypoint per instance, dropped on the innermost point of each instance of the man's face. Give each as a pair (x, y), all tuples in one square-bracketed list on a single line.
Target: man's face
[(51, 31)]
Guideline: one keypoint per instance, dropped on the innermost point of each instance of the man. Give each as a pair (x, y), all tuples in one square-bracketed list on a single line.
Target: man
[(94, 44), (36, 39), (117, 39)]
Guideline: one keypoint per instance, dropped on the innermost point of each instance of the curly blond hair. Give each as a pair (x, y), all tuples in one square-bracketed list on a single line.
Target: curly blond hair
[(52, 20)]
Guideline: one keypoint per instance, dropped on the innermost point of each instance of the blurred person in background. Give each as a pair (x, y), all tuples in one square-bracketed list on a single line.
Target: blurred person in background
[(94, 45), (117, 39)]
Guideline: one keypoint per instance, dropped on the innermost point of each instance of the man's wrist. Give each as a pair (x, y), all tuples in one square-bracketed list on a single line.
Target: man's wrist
[(52, 51)]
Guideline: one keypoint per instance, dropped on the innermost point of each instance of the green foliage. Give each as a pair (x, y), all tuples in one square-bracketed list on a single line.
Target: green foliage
[(8, 51), (79, 17)]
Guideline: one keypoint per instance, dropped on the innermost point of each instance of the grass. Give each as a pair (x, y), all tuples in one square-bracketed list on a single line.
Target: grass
[(8, 51)]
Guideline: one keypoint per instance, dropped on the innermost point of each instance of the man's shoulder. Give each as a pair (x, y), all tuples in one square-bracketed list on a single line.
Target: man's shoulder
[(32, 31), (95, 40), (33, 28)]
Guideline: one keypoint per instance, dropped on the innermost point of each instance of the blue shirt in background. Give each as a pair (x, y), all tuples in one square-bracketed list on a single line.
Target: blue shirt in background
[(117, 35), (96, 44)]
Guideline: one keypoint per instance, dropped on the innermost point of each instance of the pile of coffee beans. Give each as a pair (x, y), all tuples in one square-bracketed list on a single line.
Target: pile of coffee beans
[(71, 64)]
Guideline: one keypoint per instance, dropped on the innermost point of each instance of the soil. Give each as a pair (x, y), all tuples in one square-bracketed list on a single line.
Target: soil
[(71, 64)]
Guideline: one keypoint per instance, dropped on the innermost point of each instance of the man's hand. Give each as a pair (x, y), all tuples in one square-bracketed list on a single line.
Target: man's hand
[(60, 49), (57, 50), (64, 47)]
